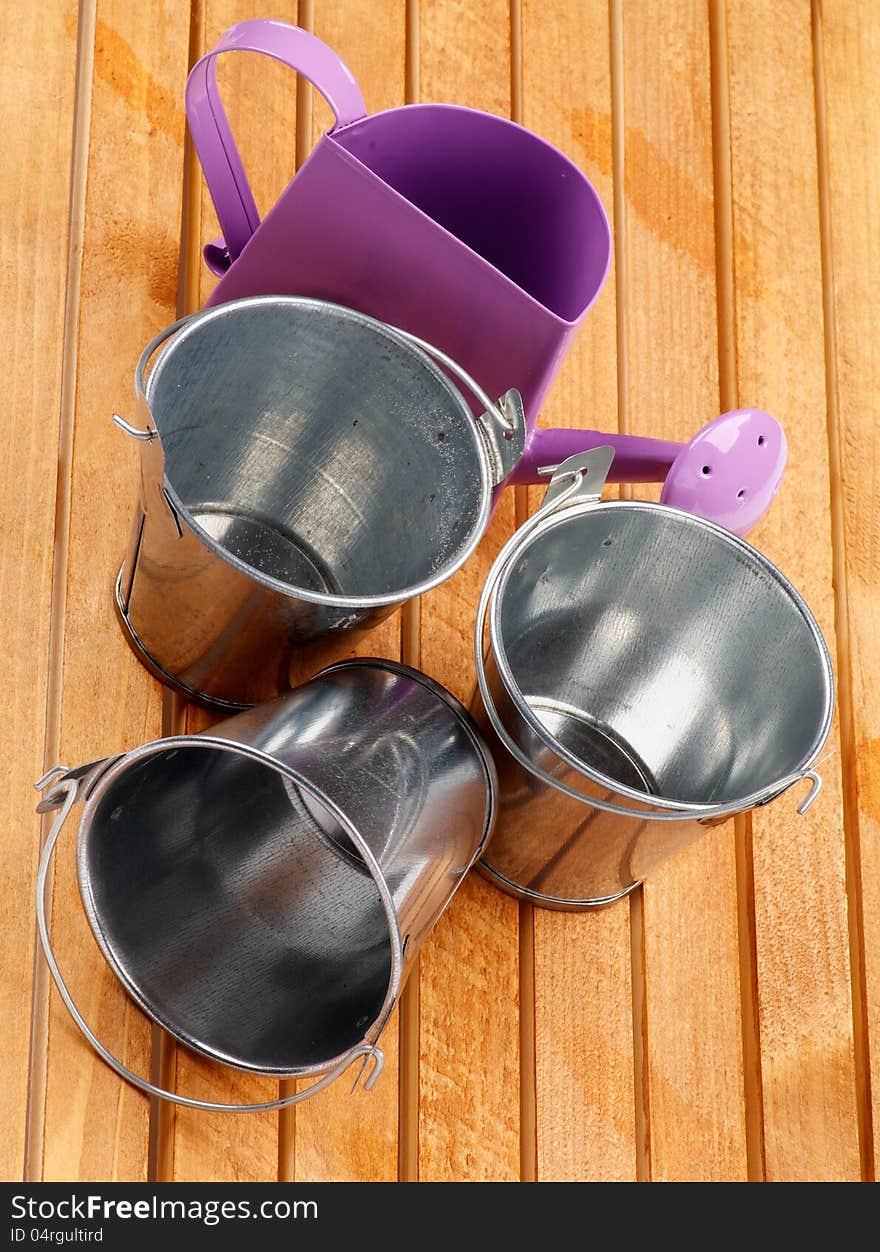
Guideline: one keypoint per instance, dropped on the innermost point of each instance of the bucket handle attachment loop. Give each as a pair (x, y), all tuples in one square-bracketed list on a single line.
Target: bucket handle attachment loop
[(566, 489), (220, 159), (148, 434), (134, 432), (66, 787), (811, 795), (152, 456), (580, 479)]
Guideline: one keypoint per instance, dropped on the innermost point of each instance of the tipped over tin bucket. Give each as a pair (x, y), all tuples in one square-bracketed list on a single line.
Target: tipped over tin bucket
[(305, 470), (261, 889), (648, 674)]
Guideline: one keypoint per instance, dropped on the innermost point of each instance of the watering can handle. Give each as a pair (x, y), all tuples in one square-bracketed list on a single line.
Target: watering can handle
[(212, 134), (65, 788)]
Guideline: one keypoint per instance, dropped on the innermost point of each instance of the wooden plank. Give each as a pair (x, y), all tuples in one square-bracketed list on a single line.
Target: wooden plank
[(693, 1045), (848, 40), (350, 1136), (340, 1135), (95, 1125), (585, 1127), (37, 104), (468, 1117), (259, 95), (803, 971), (585, 1100)]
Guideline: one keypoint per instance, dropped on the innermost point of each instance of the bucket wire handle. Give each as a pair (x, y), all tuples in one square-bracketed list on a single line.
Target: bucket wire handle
[(68, 787), (140, 372), (567, 488), (148, 432), (498, 411), (222, 165)]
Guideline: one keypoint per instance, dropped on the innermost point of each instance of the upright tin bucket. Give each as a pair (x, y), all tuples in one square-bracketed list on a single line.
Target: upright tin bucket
[(261, 889), (462, 227), (305, 470), (648, 674)]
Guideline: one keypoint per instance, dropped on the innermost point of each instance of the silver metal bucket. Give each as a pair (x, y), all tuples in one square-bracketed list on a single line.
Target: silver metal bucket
[(262, 889), (305, 470), (648, 674)]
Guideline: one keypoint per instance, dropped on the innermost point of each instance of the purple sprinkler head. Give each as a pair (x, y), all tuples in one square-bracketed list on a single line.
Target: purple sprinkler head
[(730, 471)]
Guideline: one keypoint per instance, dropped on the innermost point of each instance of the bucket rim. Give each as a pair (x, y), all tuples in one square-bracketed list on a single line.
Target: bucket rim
[(746, 550), (289, 590), (218, 742)]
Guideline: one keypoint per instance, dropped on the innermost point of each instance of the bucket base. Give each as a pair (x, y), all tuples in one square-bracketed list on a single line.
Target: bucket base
[(150, 663), (586, 740), (266, 547), (557, 903)]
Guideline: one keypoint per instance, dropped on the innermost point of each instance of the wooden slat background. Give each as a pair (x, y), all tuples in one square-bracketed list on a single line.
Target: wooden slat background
[(724, 1021)]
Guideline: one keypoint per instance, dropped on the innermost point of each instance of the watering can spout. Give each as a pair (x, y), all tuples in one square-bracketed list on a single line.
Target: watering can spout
[(636, 460), (728, 473)]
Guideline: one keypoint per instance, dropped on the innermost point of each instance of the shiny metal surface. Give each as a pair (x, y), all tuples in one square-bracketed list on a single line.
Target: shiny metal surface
[(661, 674), (261, 889), (311, 469)]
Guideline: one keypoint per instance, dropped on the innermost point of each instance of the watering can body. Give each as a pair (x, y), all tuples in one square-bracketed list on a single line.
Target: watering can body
[(458, 226)]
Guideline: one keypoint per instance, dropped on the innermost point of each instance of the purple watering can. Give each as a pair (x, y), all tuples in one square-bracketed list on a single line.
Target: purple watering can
[(457, 226), (469, 232), (326, 441)]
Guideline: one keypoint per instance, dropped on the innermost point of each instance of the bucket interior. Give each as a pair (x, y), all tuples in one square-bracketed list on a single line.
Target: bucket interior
[(501, 190), (664, 654), (230, 914), (318, 449)]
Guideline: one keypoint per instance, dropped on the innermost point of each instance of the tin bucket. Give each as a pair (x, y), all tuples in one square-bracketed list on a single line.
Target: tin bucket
[(305, 470), (261, 889), (462, 227), (648, 674)]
